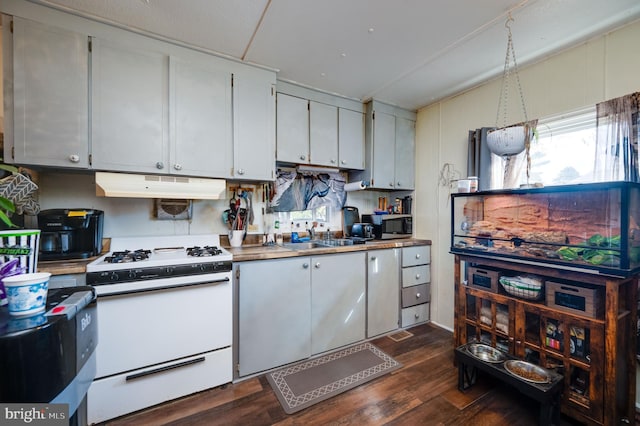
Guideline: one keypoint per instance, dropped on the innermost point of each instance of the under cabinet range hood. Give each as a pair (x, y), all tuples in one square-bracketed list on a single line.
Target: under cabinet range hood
[(126, 185)]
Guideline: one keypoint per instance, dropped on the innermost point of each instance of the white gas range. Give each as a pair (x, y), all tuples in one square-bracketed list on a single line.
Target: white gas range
[(165, 328), (143, 263)]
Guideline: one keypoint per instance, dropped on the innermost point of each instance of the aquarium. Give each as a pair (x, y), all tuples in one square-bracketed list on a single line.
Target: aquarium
[(594, 227)]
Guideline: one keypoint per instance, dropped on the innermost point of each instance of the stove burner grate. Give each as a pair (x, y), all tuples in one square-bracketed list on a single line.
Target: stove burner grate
[(203, 251), (127, 256)]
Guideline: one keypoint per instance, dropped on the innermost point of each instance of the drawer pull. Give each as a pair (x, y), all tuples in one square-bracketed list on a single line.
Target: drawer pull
[(416, 315), (417, 295), (317, 265), (165, 368), (417, 276), (418, 256)]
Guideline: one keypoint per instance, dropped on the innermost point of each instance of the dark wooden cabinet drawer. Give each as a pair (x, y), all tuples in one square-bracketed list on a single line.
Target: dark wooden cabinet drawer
[(416, 295)]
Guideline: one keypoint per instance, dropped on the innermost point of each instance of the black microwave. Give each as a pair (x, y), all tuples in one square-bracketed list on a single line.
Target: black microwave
[(388, 226)]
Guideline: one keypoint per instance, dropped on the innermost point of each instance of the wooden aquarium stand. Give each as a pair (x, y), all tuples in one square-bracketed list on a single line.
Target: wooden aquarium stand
[(589, 338)]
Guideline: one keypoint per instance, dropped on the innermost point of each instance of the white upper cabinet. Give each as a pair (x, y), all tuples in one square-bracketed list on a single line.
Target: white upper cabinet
[(318, 128), (389, 147), (323, 134), (50, 96), (292, 129), (130, 108), (350, 139), (156, 111), (383, 170), (254, 106), (405, 148), (200, 119)]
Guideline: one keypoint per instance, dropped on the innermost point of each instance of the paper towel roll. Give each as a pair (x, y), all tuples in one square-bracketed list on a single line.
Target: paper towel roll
[(356, 186)]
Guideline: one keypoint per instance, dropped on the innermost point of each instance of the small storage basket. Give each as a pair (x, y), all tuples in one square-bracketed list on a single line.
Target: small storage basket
[(525, 287)]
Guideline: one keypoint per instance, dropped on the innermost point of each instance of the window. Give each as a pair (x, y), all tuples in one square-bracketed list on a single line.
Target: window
[(323, 215), (563, 152)]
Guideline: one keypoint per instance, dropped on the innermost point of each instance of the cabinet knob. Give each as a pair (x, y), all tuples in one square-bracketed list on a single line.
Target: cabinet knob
[(159, 165), (343, 162), (391, 184), (177, 166), (333, 161), (305, 265), (373, 258), (240, 171), (417, 276), (74, 158), (303, 157), (317, 265), (417, 255), (417, 295), (416, 315), (398, 184)]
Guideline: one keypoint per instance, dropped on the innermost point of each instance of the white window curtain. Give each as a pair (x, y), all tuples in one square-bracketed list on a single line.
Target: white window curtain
[(617, 139)]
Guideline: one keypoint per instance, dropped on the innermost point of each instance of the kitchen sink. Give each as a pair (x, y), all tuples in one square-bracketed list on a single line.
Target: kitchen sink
[(318, 244), (304, 245)]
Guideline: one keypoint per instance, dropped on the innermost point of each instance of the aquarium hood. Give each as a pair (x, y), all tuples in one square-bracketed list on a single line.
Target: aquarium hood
[(126, 185)]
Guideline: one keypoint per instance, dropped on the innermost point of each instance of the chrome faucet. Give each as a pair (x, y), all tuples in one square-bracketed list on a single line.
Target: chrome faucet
[(312, 231)]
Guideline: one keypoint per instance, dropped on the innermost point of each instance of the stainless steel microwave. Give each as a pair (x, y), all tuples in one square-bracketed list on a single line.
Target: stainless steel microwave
[(388, 226)]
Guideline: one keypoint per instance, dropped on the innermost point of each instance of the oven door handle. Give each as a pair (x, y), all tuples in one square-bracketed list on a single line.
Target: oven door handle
[(163, 369), (166, 287)]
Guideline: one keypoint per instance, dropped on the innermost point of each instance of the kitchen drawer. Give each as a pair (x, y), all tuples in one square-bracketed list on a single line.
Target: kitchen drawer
[(415, 314), (418, 255), (416, 295), (416, 275), (115, 396)]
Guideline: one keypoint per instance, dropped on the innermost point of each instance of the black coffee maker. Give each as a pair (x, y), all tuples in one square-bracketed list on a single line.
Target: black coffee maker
[(70, 233)]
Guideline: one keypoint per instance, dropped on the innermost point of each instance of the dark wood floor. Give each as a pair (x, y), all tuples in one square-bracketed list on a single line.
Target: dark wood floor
[(423, 392)]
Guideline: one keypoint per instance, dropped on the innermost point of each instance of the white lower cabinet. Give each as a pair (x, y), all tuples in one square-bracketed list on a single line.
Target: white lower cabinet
[(114, 396), (338, 287), (383, 278), (290, 309), (274, 305)]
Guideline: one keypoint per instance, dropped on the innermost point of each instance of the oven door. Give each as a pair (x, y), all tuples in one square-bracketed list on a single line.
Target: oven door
[(140, 329)]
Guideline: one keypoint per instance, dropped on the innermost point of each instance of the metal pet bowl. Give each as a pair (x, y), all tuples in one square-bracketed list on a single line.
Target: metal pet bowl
[(486, 353), (527, 371)]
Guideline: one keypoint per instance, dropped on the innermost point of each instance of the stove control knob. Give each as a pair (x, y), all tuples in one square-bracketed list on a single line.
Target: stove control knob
[(203, 267), (132, 274), (114, 277), (169, 270)]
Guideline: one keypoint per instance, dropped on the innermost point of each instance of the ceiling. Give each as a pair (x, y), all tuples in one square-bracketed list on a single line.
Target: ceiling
[(409, 53)]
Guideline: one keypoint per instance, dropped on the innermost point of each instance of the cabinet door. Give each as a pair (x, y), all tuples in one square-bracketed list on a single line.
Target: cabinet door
[(200, 119), (129, 108), (274, 328), (254, 114), (350, 139), (337, 301), (384, 134), (292, 129), (323, 134), (383, 289), (51, 101), (405, 153)]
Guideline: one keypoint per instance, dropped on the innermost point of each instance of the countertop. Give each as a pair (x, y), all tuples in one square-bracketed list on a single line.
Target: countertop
[(260, 252), (249, 252)]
